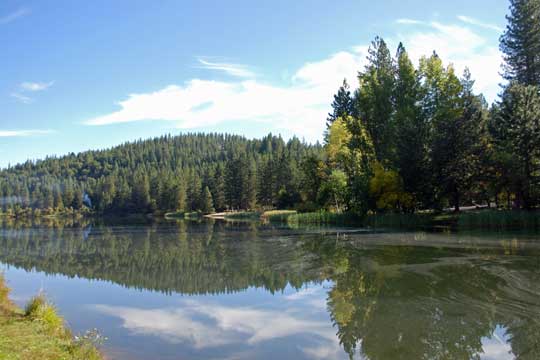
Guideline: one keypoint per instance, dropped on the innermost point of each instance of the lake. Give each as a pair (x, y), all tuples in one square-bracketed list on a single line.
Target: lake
[(242, 290)]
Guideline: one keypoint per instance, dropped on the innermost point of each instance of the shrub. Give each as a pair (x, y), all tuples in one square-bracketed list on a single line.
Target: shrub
[(39, 309)]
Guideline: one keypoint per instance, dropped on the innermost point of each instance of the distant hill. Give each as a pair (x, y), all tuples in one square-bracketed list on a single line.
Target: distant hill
[(193, 172)]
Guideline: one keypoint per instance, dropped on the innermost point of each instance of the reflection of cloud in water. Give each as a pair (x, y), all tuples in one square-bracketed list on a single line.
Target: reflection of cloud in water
[(314, 296), (207, 325), (302, 294), (173, 325), (497, 346)]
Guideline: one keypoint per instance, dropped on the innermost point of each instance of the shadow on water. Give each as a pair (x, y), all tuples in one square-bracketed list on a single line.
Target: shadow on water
[(391, 295)]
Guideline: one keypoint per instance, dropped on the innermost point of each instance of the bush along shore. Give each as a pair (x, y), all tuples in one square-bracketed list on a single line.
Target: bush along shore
[(39, 333)]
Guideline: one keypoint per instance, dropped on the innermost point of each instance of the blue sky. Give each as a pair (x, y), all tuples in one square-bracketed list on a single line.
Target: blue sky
[(80, 75)]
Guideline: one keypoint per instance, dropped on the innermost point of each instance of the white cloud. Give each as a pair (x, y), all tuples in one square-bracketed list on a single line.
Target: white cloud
[(408, 22), (21, 98), (36, 86), (28, 86), (236, 70), (473, 21), (14, 16), (461, 46), (23, 133), (302, 104), (299, 108)]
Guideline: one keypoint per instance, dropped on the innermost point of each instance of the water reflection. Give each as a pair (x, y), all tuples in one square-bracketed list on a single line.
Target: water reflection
[(257, 291)]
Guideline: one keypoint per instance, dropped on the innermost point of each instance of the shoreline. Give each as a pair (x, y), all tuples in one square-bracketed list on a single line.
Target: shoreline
[(38, 332)]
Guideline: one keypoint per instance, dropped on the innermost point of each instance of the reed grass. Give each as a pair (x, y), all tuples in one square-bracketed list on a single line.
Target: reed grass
[(500, 220), (323, 218), (278, 216)]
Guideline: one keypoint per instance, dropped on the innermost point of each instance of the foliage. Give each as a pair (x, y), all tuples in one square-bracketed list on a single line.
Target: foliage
[(334, 191), (515, 129), (520, 43), (386, 188)]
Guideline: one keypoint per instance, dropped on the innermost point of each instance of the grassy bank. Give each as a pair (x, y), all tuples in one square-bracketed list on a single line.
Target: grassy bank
[(39, 333)]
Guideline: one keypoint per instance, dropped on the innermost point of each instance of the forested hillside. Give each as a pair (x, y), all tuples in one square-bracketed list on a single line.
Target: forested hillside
[(194, 172)]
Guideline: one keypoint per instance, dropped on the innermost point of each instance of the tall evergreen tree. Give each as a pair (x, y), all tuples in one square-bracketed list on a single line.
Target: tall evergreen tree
[(342, 106), (249, 183), (520, 43), (207, 201), (374, 101), (515, 128), (219, 188), (412, 130)]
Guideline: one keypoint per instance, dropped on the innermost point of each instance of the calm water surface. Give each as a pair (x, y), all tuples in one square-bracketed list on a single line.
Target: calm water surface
[(216, 290)]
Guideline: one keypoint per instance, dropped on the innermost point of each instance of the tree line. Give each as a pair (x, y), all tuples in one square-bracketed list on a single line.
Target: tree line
[(406, 138), (193, 172)]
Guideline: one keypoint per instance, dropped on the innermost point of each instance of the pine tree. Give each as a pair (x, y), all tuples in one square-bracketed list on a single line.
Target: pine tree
[(374, 102), (140, 195), (207, 201), (249, 184), (520, 43), (412, 130), (181, 196), (342, 106), (515, 128), (219, 188)]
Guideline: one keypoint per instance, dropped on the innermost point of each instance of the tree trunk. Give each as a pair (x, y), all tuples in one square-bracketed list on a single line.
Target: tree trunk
[(456, 201)]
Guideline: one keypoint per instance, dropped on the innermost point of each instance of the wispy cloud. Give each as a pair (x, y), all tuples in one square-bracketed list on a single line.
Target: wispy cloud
[(300, 105), (22, 98), (236, 70), (36, 86), (23, 133), (408, 22), (476, 22), (5, 19), (27, 87)]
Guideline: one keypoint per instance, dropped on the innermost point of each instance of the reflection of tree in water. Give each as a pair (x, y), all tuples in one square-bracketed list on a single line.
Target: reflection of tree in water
[(386, 301), (187, 257), (400, 302)]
